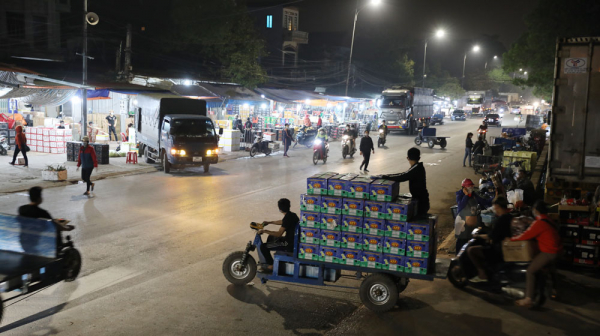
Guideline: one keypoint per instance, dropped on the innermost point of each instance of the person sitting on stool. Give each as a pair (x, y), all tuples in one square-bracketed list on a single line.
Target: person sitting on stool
[(277, 241)]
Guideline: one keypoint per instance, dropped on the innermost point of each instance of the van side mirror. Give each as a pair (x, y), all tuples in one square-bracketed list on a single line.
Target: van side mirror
[(220, 130)]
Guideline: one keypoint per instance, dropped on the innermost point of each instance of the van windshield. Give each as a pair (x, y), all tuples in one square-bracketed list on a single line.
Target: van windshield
[(390, 116), (192, 128)]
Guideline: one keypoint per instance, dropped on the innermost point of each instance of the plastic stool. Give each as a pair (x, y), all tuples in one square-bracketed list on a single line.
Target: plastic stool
[(131, 158)]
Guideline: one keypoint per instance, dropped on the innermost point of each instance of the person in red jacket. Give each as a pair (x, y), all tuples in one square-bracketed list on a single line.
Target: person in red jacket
[(87, 161), (21, 141), (319, 122), (545, 233)]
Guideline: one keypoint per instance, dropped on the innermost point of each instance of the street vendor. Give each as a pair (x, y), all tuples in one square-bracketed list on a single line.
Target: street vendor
[(417, 181), (467, 201)]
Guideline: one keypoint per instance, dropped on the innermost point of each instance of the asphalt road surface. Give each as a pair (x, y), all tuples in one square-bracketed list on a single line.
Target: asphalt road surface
[(153, 246)]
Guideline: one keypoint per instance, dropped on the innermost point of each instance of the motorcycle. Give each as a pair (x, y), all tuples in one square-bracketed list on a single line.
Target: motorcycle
[(261, 146), (382, 138), (347, 146), (4, 147), (505, 277), (239, 268), (320, 153), (305, 136), (482, 132)]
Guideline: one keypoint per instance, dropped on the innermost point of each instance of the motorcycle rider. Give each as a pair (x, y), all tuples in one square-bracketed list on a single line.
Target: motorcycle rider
[(417, 181), (348, 131), (467, 201), (323, 137), (482, 128), (384, 127)]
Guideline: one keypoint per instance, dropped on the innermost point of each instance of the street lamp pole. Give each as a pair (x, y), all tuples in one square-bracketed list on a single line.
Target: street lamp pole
[(84, 79), (462, 83), (351, 50), (424, 62)]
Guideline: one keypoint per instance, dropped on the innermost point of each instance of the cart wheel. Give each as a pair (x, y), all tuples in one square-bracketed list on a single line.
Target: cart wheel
[(72, 264), (235, 272), (402, 284), (431, 143), (457, 276), (253, 151), (206, 167), (315, 157), (268, 152), (443, 143), (379, 292), (418, 141)]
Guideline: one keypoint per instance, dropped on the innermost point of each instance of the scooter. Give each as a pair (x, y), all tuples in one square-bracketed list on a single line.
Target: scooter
[(306, 137), (347, 146), (320, 153), (506, 277), (382, 138), (4, 147), (261, 146), (482, 132)]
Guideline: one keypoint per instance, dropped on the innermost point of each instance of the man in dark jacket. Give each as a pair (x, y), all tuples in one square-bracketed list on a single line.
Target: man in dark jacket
[(417, 180), (87, 160), (366, 146), (111, 126), (288, 137), (525, 184)]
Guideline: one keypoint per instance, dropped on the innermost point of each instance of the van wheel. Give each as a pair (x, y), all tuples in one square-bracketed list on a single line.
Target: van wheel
[(166, 163)]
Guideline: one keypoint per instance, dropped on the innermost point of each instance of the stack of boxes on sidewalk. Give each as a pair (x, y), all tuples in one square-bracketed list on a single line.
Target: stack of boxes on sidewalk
[(580, 236), (357, 221), (48, 139)]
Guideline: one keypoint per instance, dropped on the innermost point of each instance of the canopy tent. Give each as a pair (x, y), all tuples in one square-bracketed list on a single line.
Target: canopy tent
[(288, 96), (234, 94)]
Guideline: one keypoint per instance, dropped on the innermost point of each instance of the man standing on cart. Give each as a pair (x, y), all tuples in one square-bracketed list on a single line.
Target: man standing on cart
[(277, 241), (417, 181)]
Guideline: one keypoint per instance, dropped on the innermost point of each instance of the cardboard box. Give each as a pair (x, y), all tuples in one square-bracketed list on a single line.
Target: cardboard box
[(585, 252), (590, 236), (331, 205), (61, 150), (310, 203), (376, 209), (384, 190), (46, 138), (310, 219), (394, 246), (353, 207), (60, 132), (352, 224), (46, 149), (417, 249), (395, 229), (518, 251), (316, 185), (308, 251), (372, 243), (374, 226), (331, 222), (53, 144), (418, 231), (393, 262), (350, 257), (371, 259), (401, 210), (46, 131), (53, 150), (415, 265), (33, 148), (310, 236), (340, 185), (359, 188), (331, 238), (329, 254), (352, 240)]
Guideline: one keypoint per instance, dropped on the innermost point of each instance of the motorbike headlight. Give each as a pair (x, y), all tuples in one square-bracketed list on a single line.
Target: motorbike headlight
[(318, 142), (380, 131), (345, 137)]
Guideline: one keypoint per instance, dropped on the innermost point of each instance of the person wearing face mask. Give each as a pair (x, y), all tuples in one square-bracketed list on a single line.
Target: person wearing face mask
[(288, 137), (467, 201), (492, 254), (282, 239), (545, 233), (87, 161)]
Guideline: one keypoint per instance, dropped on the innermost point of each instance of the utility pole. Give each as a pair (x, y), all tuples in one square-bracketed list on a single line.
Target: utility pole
[(462, 83), (351, 49), (84, 80), (118, 64), (424, 64), (128, 52)]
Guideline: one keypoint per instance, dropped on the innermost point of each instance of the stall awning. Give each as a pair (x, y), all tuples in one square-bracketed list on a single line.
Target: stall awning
[(233, 92), (288, 96), (193, 91)]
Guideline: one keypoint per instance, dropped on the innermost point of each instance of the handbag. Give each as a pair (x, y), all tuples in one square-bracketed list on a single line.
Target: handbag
[(26, 148)]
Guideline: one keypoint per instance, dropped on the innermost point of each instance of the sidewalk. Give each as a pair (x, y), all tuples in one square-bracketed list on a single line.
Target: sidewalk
[(18, 178)]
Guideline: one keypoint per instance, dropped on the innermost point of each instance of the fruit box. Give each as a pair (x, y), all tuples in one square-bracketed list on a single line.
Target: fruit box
[(308, 251), (374, 226), (401, 210), (384, 190), (331, 238), (310, 236), (331, 205), (393, 263), (371, 259), (329, 254), (340, 185), (331, 222), (359, 188), (351, 240), (415, 265), (395, 229), (310, 219), (394, 246), (376, 209), (350, 257), (352, 224), (372, 243), (418, 231), (317, 185), (417, 249), (310, 203), (354, 207)]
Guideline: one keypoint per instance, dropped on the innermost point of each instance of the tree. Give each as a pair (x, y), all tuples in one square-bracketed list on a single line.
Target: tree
[(535, 49), (222, 34), (451, 89)]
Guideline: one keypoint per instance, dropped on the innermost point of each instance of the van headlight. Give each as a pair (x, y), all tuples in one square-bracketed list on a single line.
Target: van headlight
[(212, 152)]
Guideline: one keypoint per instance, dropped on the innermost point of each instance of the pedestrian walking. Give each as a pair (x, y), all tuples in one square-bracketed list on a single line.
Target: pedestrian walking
[(287, 139), (21, 146), (87, 161), (468, 149), (366, 147), (111, 126)]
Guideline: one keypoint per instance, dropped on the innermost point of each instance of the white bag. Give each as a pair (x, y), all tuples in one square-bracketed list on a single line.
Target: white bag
[(459, 225)]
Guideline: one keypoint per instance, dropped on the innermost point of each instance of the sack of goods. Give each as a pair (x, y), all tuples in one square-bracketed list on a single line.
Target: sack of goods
[(362, 222)]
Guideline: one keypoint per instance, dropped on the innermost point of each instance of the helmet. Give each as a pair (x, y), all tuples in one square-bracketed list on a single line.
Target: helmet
[(467, 183), (85, 139), (322, 130)]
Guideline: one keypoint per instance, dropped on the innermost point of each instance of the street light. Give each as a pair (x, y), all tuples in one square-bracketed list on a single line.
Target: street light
[(358, 10), (439, 34), (476, 49), (495, 57), (525, 73)]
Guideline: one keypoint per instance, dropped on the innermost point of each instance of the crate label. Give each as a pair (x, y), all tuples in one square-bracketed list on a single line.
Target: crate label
[(358, 195), (373, 231), (417, 254), (331, 210), (396, 216), (416, 270), (371, 264), (352, 212), (349, 261), (310, 224), (310, 207), (337, 193), (374, 214), (310, 240), (418, 237), (396, 234), (394, 268), (381, 197), (308, 256), (352, 228), (394, 250), (373, 248), (351, 245), (317, 191), (330, 242), (329, 259)]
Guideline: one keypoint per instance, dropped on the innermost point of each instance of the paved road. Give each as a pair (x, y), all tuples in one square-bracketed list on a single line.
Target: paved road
[(153, 246)]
